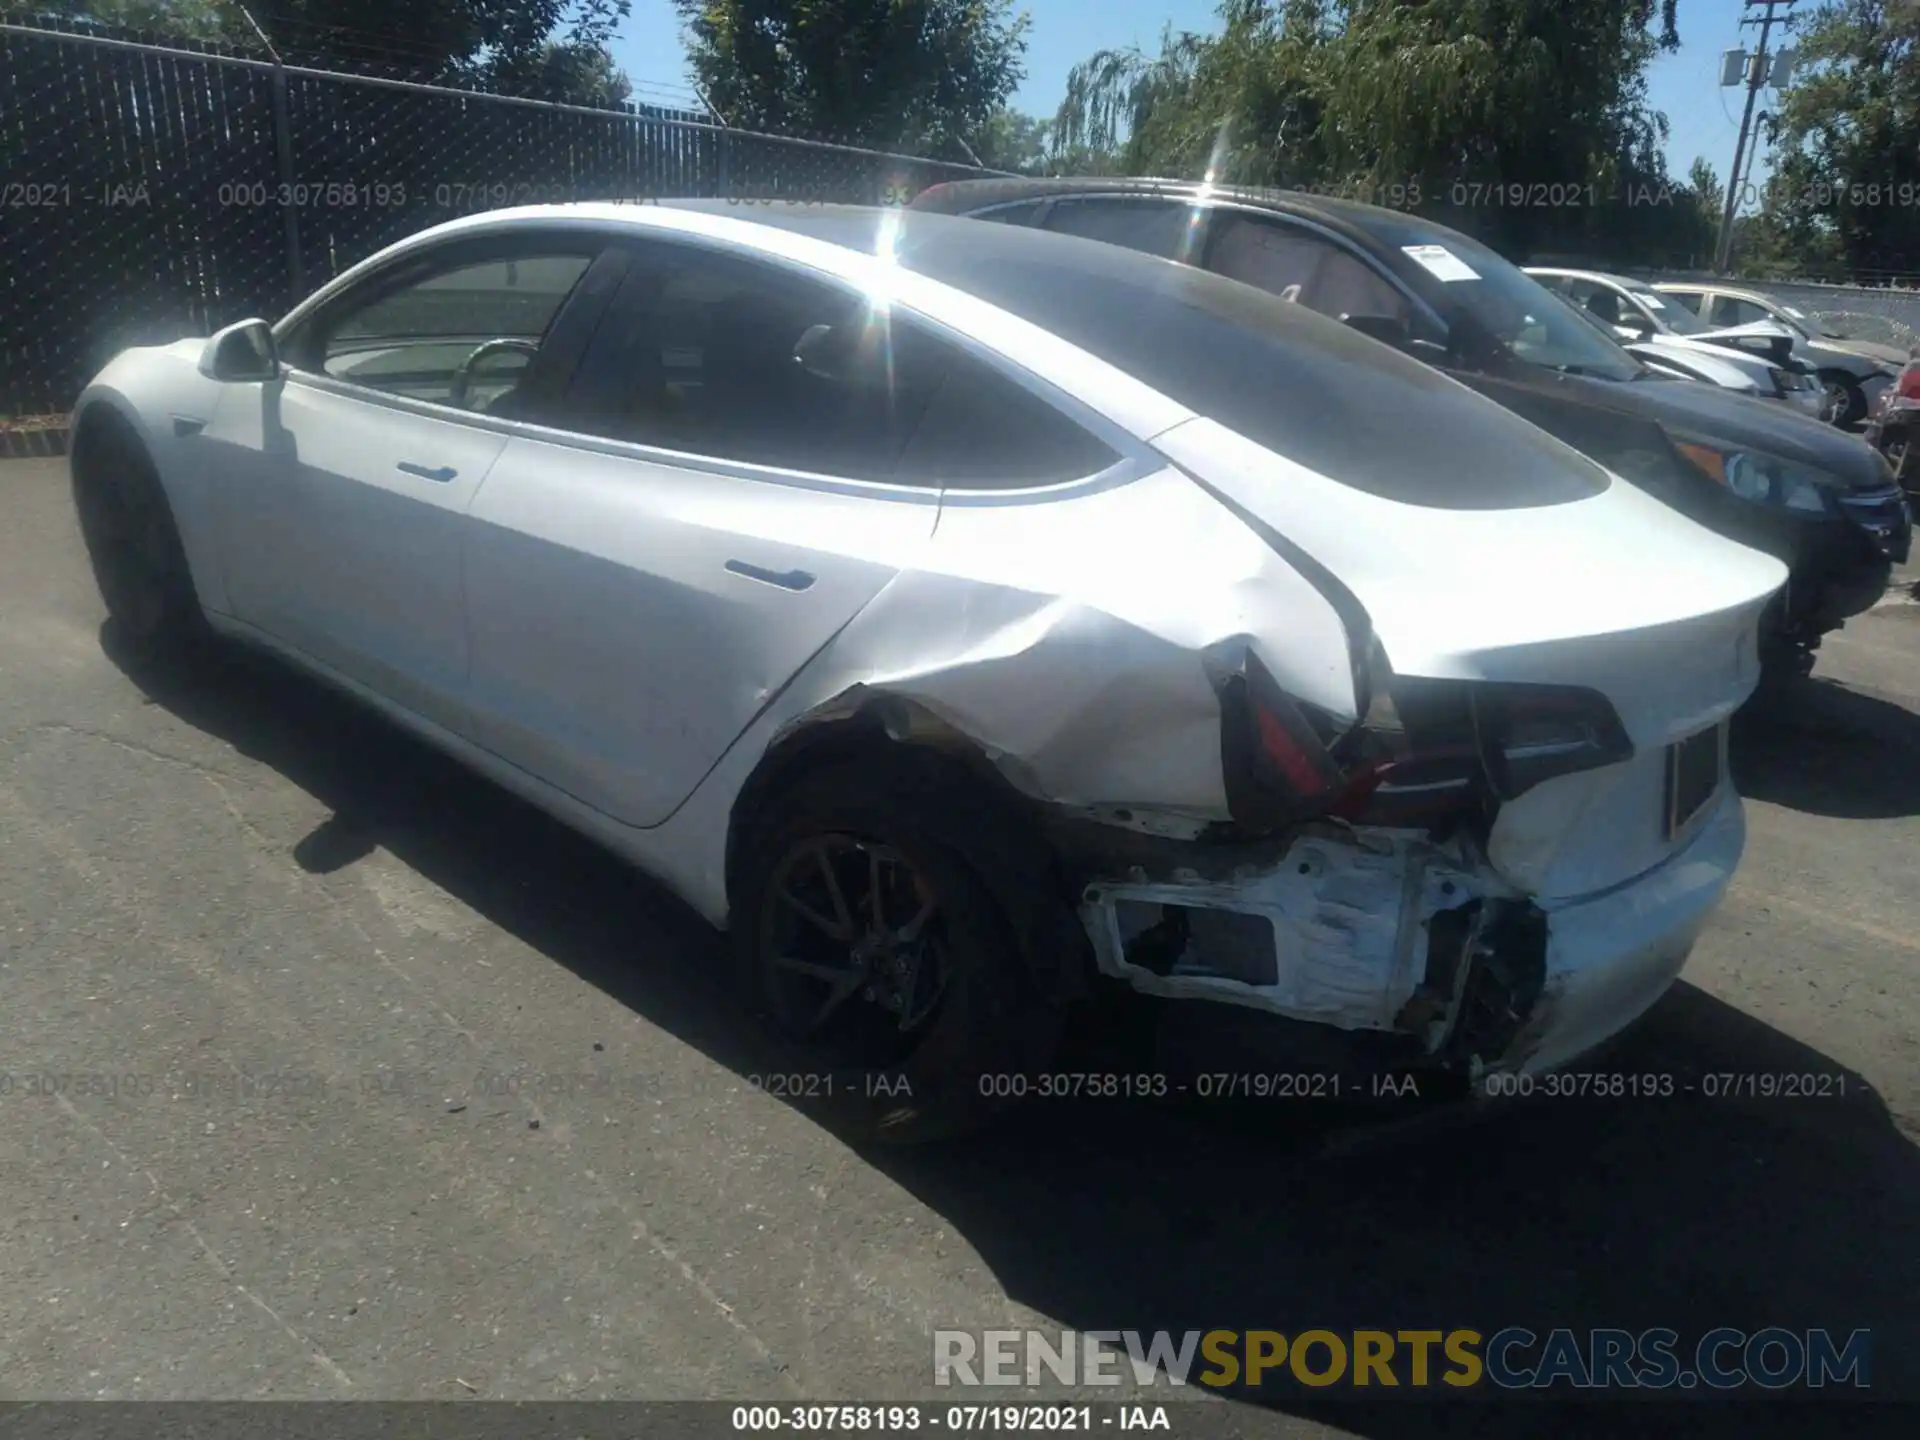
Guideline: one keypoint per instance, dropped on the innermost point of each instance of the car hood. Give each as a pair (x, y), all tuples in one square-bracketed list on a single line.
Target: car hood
[(1615, 591), (1890, 356), (1736, 421), (1719, 367), (1761, 339)]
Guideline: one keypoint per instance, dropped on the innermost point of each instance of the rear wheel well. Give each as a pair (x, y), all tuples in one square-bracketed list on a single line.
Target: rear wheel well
[(991, 824)]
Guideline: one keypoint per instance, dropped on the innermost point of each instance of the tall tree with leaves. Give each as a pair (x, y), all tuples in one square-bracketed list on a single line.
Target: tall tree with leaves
[(1845, 190), (547, 49), (892, 73), (1460, 99)]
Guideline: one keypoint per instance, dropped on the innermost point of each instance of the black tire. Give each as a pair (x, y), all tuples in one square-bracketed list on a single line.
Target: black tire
[(134, 546), (1848, 400), (984, 1016)]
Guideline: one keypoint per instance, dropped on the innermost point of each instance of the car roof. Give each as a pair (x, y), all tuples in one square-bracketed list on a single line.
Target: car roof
[(1714, 287), (1624, 280), (964, 196)]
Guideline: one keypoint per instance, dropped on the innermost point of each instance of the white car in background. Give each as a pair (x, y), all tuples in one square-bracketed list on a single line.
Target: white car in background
[(961, 613), (1855, 373), (1657, 328)]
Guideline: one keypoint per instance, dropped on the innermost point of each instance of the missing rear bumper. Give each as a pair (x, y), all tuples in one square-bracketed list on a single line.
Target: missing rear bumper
[(1388, 938)]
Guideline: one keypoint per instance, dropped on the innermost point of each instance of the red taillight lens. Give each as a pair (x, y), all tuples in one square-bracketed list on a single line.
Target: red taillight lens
[(1275, 759), (1427, 754), (1908, 386)]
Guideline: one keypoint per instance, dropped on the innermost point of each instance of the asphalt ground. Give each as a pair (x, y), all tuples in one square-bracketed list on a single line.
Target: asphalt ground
[(372, 1082)]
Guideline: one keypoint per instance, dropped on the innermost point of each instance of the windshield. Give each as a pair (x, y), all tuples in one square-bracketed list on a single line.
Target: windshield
[(1668, 312), (1795, 321), (1508, 307)]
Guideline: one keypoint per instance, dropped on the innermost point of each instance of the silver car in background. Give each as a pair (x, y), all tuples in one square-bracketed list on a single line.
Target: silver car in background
[(1854, 373), (1657, 329)]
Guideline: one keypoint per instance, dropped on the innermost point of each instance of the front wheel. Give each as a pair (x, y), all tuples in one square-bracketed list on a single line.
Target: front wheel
[(870, 941), (133, 544), (1845, 402)]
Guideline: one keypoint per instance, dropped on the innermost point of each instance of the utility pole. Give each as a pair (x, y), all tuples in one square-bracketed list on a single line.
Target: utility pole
[(1756, 77)]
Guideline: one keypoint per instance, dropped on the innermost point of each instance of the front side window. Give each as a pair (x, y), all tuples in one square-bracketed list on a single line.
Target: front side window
[(460, 334), (721, 357), (1297, 265)]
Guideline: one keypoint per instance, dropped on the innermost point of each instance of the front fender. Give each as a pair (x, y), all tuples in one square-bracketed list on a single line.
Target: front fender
[(150, 388)]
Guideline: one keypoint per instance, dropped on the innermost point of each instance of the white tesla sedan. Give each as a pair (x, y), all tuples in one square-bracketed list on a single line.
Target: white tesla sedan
[(961, 613)]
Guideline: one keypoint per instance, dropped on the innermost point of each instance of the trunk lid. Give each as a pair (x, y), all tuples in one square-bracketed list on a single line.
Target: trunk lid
[(1614, 592)]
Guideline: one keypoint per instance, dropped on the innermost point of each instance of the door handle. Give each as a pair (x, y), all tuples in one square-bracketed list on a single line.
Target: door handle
[(786, 580), (443, 474)]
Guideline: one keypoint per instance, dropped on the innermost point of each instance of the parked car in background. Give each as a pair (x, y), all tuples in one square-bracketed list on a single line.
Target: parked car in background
[(1728, 372), (1895, 430), (1819, 499), (1651, 326), (961, 613), (1855, 373)]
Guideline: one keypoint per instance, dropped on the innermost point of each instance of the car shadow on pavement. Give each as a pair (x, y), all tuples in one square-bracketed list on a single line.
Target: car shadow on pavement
[(1687, 1211), (1822, 748)]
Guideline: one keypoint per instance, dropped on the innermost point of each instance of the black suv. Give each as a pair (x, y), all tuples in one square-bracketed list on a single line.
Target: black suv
[(1821, 501)]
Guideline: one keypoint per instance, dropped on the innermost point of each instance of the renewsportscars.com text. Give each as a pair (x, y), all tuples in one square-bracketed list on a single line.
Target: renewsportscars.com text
[(1513, 1358)]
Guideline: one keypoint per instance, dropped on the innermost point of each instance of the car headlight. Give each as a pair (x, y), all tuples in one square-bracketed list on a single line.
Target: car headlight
[(1788, 382), (1763, 479)]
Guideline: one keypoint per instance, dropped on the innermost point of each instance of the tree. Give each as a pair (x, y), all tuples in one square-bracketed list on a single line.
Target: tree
[(1013, 140), (548, 49), (1845, 190), (898, 74), (188, 19), (1456, 100)]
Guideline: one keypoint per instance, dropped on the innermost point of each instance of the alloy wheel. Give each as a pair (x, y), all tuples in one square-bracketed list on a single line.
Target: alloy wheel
[(853, 947)]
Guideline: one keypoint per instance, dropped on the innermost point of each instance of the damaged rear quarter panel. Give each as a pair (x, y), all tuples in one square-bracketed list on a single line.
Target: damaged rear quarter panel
[(1065, 635)]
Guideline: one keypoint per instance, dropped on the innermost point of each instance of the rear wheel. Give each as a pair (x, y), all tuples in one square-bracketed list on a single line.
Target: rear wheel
[(870, 941), (133, 544)]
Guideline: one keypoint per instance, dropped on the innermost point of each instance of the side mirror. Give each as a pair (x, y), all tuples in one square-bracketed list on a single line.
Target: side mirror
[(241, 352), (1634, 327), (1387, 329)]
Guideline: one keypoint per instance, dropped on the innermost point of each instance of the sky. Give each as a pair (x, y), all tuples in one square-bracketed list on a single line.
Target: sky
[(1705, 119)]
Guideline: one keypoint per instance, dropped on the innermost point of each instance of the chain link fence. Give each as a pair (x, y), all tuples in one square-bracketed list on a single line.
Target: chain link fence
[(1885, 314), (151, 191)]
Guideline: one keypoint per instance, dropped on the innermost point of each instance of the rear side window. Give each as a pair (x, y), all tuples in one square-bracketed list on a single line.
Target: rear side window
[(1025, 213), (1298, 383), (713, 355), (982, 431), (1156, 227)]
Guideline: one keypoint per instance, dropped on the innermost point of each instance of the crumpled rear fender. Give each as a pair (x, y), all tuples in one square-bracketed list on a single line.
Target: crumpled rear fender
[(1073, 640), (1078, 641)]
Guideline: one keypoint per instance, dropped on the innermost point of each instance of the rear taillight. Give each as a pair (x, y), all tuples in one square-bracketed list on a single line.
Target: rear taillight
[(1428, 754), (1908, 385), (1274, 751), (1531, 733)]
